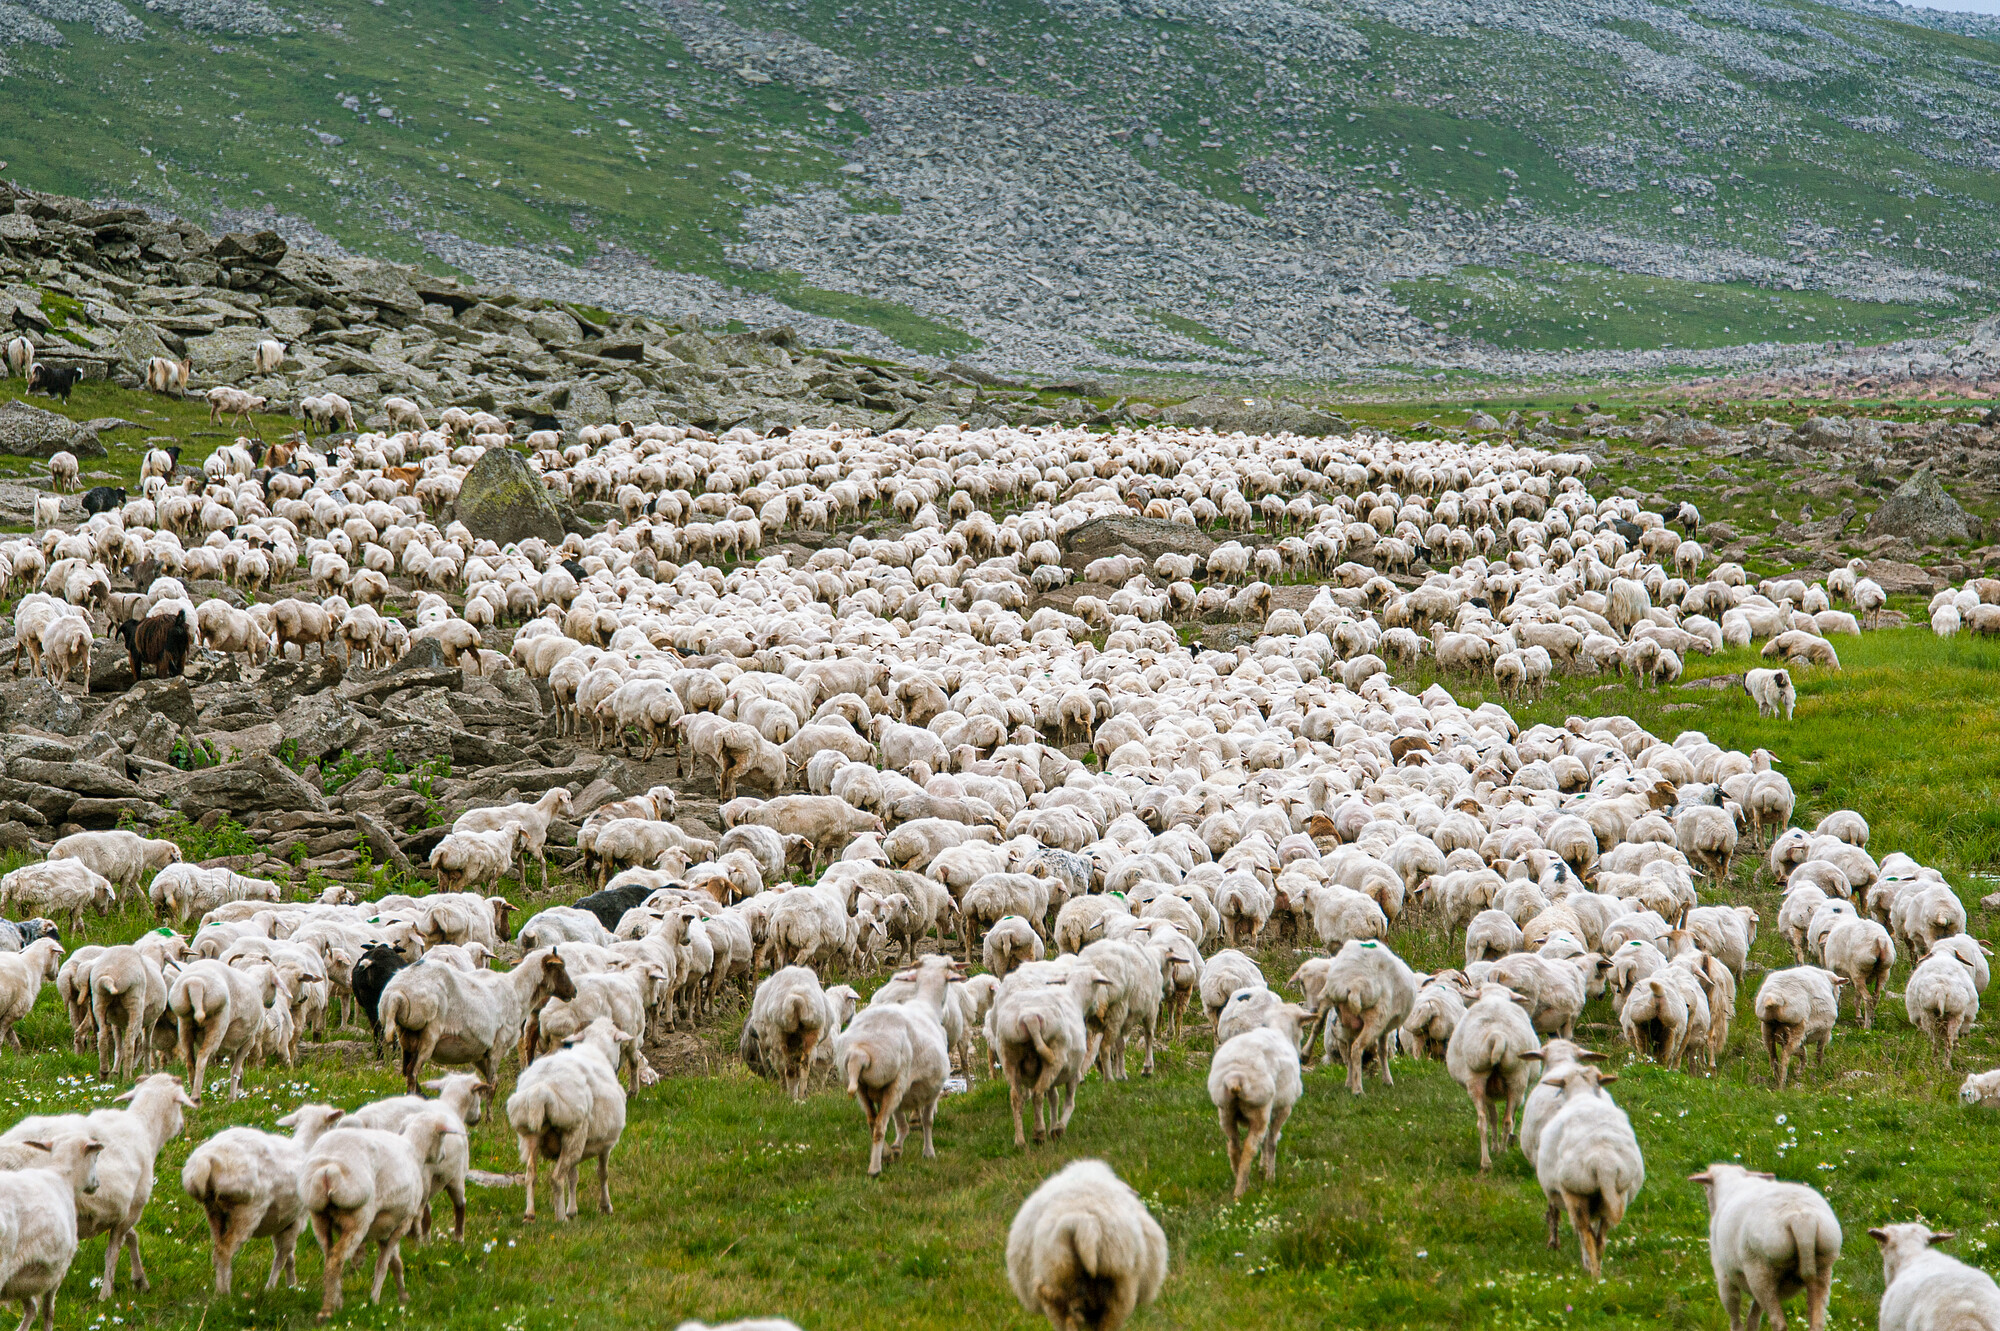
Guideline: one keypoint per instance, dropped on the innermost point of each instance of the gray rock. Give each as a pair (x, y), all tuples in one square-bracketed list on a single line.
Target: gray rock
[(138, 342), (39, 704), (1253, 415), (502, 500), (255, 785), (172, 699), (322, 725), (1922, 511), (1480, 422), (1149, 537), (31, 432), (83, 778), (155, 739)]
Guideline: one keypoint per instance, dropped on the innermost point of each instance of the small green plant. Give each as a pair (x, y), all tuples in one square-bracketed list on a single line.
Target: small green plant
[(227, 837)]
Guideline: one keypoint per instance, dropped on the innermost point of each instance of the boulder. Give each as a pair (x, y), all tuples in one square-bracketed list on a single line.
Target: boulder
[(502, 500), (138, 342), (82, 778), (41, 705), (169, 698), (1147, 537), (321, 725), (1253, 415), (260, 249), (1921, 511), (31, 432), (1481, 422), (1898, 578), (255, 785)]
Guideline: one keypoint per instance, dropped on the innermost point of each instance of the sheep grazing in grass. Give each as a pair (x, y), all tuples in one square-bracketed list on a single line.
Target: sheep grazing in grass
[(1769, 1240), (1253, 1081), (894, 1060), (1941, 1000), (39, 1184), (1084, 1251)]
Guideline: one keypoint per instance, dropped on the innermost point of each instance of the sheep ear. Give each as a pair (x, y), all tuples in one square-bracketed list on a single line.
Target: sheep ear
[(1769, 1178), (38, 1145), (1703, 1177), (121, 1099), (1943, 1236), (1606, 1078), (1535, 1054), (1590, 1056)]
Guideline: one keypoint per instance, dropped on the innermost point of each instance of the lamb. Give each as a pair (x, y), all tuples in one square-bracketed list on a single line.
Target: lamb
[(1083, 1250), (1253, 1081), (1368, 992), (895, 1059), (131, 1140), (1941, 1000), (1488, 1055), (39, 1185), (1769, 1240), (462, 1094), (468, 1017), (62, 470), (1589, 1163), (1927, 1290), (248, 1184), (1980, 1089), (126, 988), (788, 1020), (1797, 1006), (22, 975), (219, 1012), (1011, 941), (1130, 1005), (1225, 973), (1772, 691), (120, 857), (1439, 1007), (363, 1184), (1491, 935), (187, 891), (570, 1107), (59, 888)]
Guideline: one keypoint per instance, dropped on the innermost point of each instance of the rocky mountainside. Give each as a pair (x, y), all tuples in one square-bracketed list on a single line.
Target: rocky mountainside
[(108, 289), (1352, 187)]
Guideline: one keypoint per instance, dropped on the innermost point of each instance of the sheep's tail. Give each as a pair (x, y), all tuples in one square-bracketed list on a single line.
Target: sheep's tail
[(329, 1183), (1805, 1241), (389, 1010), (198, 1177), (1086, 1239), (858, 1062), (197, 993), (1035, 1034)]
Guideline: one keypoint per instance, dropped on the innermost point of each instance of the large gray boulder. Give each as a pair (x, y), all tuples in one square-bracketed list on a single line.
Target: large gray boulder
[(256, 785), (503, 500), (1921, 511), (31, 432), (1253, 415), (1147, 537)]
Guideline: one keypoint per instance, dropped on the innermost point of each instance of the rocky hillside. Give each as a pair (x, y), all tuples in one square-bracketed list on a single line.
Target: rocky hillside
[(1354, 187)]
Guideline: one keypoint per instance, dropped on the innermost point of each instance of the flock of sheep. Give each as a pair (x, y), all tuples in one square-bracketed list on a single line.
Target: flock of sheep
[(886, 720)]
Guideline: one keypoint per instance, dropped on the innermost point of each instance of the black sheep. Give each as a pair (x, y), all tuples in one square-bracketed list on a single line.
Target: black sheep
[(610, 905), (160, 641), (17, 934), (55, 380), (103, 498), (371, 975)]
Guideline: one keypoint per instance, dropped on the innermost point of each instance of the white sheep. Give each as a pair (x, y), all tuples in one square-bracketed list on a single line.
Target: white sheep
[(1769, 1240), (247, 1182), (1488, 1055), (120, 857), (63, 470), (788, 1021), (467, 1017), (1926, 1290), (894, 1059), (267, 356), (466, 860), (1253, 1081), (569, 1107), (219, 1012), (1365, 994), (131, 1139), (57, 888), (362, 1184), (1941, 1000), (1795, 1007), (1588, 1163), (39, 1185), (22, 975), (1083, 1250)]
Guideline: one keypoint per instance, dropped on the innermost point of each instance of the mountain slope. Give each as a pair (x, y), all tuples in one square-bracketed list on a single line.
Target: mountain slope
[(1290, 189)]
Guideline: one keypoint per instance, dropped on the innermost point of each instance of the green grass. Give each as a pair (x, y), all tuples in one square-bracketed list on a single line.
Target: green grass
[(182, 421), (931, 337), (732, 1201), (1549, 306)]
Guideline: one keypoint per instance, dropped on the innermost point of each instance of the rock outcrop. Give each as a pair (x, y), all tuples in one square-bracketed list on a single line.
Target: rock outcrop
[(1922, 511)]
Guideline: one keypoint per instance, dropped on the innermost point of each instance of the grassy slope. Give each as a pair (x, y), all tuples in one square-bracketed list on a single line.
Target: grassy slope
[(732, 1201), (485, 143)]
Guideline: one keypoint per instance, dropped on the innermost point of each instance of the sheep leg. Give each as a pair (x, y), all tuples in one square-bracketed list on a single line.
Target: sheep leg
[(530, 1152), (1014, 1102), (284, 1257), (1553, 1215), (1271, 1135), (340, 1245), (1579, 1220), (388, 1253), (603, 1185), (1483, 1112)]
